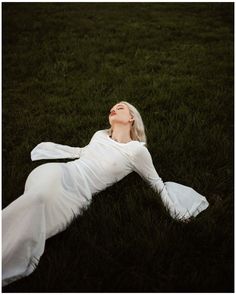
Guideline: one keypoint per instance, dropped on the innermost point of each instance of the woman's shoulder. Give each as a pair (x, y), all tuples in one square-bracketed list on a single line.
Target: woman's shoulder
[(140, 149), (103, 131), (100, 132)]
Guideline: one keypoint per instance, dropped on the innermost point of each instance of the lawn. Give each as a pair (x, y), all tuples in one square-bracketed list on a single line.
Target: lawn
[(64, 66)]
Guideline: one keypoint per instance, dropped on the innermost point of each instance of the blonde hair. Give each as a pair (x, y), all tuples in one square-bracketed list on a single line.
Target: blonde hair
[(137, 131)]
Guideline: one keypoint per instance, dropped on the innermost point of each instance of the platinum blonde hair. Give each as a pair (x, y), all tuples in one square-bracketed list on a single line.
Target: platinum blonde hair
[(137, 131)]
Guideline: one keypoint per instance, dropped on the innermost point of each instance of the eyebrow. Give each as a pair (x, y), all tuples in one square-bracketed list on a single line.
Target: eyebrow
[(119, 105)]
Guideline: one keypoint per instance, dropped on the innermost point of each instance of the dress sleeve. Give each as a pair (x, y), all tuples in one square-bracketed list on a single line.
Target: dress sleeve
[(143, 165), (181, 201), (51, 150)]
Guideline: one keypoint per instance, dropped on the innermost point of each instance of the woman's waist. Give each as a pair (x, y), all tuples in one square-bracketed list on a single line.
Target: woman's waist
[(89, 174)]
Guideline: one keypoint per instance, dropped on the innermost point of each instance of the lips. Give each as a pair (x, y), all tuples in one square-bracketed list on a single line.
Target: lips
[(113, 113)]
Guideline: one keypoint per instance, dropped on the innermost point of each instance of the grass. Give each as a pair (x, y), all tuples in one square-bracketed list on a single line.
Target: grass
[(64, 66)]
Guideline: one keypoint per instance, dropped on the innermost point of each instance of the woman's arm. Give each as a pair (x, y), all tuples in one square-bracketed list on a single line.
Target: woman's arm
[(182, 201), (51, 150), (143, 165)]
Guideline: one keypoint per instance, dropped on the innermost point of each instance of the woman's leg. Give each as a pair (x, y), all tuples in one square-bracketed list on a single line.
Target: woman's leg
[(49, 203), (23, 236)]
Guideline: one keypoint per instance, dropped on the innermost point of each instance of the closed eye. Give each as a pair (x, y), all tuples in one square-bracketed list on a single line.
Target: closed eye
[(118, 109)]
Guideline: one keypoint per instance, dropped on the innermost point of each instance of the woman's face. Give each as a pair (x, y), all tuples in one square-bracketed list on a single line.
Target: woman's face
[(119, 113)]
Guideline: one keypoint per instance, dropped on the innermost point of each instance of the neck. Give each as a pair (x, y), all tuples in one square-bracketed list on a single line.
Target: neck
[(121, 133)]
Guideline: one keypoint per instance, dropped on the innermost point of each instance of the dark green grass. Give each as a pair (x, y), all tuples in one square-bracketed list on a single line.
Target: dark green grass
[(64, 66)]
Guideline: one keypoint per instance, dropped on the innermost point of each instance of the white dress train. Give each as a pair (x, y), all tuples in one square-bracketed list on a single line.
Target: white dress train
[(57, 192)]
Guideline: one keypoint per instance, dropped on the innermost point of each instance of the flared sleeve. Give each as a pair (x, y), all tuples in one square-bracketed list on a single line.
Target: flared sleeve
[(181, 201), (51, 150)]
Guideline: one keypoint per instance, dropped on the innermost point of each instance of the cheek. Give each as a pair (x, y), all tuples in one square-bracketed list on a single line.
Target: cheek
[(126, 117), (122, 117)]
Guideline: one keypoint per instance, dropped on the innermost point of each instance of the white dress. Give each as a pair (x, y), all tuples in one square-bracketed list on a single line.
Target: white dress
[(56, 192)]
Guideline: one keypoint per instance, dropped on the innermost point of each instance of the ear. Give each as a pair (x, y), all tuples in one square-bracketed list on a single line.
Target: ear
[(132, 120)]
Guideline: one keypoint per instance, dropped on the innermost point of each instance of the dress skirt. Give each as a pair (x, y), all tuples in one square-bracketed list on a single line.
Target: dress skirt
[(54, 194)]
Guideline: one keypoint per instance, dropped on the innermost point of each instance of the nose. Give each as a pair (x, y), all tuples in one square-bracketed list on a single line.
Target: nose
[(113, 113)]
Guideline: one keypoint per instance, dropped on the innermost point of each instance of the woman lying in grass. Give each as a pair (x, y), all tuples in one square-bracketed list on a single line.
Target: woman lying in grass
[(57, 192)]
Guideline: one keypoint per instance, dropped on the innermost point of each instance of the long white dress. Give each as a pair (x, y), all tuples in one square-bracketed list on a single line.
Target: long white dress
[(56, 192)]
